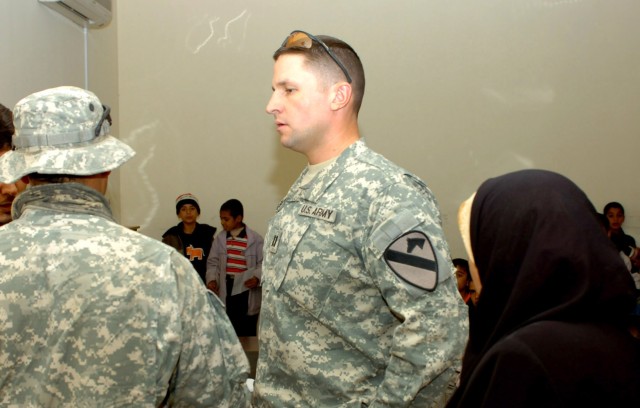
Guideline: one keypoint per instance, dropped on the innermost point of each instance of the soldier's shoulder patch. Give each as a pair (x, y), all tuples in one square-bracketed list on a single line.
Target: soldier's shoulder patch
[(412, 258)]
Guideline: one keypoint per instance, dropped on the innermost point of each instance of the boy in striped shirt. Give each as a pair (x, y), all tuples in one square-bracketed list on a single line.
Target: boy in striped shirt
[(234, 268)]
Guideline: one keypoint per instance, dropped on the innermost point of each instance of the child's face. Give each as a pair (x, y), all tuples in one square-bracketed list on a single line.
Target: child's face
[(615, 217), (188, 214), (228, 222), (461, 276)]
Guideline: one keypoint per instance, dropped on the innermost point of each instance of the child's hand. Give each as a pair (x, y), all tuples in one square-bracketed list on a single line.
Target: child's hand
[(213, 286), (252, 282)]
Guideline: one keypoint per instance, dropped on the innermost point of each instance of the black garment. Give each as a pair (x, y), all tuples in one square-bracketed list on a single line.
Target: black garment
[(195, 246), (623, 242), (471, 309), (237, 308), (549, 329)]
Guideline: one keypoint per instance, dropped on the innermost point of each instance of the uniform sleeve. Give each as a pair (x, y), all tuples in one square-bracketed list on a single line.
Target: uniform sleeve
[(212, 368), (428, 343)]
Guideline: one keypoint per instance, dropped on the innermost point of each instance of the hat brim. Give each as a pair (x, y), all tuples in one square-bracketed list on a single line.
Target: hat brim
[(104, 153)]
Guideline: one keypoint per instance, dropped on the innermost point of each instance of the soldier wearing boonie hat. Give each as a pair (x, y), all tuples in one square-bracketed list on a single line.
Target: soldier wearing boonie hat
[(94, 305), (62, 131)]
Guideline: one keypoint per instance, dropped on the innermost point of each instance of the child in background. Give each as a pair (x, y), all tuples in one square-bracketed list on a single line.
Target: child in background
[(190, 238), (614, 211), (234, 269), (466, 286), (463, 277)]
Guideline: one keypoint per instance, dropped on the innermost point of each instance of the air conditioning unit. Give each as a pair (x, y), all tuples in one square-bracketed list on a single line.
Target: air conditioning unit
[(92, 13)]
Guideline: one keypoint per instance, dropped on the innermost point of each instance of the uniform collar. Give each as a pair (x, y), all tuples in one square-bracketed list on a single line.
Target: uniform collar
[(65, 198), (313, 190)]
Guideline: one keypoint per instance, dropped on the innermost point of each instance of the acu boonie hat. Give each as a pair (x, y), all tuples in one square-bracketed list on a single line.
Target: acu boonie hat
[(62, 131)]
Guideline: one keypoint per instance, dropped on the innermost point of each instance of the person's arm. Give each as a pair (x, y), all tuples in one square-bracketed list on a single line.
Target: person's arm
[(213, 368), (172, 241), (212, 276), (256, 270), (429, 341)]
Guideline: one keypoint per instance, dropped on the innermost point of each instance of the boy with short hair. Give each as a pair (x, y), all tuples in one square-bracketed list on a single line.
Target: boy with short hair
[(234, 268), (191, 238)]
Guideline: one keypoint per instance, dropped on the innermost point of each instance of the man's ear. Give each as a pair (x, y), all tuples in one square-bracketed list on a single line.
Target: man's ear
[(25, 179), (341, 95)]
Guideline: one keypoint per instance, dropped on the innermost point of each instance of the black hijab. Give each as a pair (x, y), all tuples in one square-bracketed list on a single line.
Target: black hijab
[(542, 256)]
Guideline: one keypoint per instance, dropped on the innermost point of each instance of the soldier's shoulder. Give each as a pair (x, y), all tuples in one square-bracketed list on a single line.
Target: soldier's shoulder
[(388, 172), (144, 243)]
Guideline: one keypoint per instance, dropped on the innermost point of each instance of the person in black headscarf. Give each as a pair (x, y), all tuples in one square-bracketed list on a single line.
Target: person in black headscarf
[(550, 326)]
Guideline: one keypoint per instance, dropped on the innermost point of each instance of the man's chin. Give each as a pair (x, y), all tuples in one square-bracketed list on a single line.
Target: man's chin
[(284, 140)]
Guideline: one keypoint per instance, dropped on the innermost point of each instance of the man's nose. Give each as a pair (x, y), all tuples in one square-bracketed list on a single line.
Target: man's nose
[(272, 105)]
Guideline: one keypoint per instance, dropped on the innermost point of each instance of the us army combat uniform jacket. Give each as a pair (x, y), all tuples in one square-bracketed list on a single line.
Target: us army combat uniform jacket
[(93, 314), (360, 308)]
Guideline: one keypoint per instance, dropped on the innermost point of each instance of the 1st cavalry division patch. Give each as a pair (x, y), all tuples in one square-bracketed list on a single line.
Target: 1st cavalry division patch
[(412, 258)]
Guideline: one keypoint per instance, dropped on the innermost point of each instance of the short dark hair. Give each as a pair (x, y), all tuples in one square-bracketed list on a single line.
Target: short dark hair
[(55, 178), (234, 207), (613, 204), (318, 59), (6, 127), (463, 263)]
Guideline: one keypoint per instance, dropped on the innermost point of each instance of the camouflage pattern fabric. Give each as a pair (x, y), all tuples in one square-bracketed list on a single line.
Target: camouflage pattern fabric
[(338, 327), (93, 314), (62, 130)]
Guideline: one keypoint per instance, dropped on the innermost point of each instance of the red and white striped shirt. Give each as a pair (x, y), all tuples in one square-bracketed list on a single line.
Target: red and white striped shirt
[(236, 247)]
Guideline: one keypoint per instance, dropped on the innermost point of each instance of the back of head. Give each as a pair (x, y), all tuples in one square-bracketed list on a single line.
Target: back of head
[(541, 254), (234, 207), (319, 60), (62, 131), (6, 128)]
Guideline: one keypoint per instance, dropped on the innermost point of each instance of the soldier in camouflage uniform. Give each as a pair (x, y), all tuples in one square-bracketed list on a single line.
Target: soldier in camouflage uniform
[(360, 307), (93, 314)]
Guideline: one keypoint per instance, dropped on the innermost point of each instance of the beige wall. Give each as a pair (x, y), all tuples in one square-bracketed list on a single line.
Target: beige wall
[(41, 49), (457, 91)]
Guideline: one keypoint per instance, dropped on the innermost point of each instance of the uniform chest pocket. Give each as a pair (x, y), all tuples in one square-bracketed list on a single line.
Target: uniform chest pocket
[(319, 276)]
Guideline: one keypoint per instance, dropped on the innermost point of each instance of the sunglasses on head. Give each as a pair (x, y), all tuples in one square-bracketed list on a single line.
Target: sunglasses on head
[(300, 39)]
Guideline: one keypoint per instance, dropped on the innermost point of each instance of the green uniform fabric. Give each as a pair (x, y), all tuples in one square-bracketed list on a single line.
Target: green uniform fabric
[(338, 327), (93, 314)]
